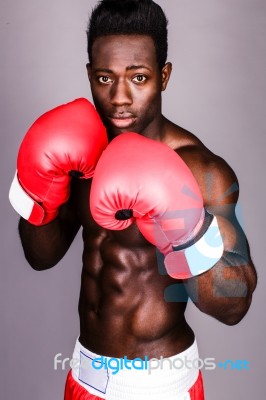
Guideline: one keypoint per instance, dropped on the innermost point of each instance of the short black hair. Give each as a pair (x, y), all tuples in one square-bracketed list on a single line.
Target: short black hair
[(129, 17)]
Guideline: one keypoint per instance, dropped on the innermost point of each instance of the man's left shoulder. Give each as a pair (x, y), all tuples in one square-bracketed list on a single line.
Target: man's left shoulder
[(214, 175)]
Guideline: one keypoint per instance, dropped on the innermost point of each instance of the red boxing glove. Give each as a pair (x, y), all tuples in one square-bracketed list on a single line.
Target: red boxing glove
[(66, 141), (142, 180)]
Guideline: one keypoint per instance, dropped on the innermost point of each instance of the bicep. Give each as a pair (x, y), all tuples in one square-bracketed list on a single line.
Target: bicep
[(234, 238), (222, 201)]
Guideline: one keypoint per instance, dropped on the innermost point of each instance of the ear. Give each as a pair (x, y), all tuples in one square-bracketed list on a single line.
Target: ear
[(88, 66), (166, 73)]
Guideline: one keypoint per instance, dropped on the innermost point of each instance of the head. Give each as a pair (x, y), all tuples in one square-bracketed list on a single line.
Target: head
[(129, 17), (127, 49)]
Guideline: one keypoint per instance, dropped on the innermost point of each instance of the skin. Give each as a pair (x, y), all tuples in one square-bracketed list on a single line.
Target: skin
[(122, 291)]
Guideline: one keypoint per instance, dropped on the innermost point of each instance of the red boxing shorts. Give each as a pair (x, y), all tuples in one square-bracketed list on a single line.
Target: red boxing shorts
[(95, 377)]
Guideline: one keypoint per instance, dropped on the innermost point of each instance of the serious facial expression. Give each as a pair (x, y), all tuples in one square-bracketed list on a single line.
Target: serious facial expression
[(126, 83)]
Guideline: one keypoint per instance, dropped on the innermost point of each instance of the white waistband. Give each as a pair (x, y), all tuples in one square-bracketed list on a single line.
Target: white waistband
[(139, 379)]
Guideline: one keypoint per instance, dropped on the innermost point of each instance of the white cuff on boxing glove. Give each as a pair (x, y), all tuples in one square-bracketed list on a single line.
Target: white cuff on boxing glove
[(199, 254), (24, 205)]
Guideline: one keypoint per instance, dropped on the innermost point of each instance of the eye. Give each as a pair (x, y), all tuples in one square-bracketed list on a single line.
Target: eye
[(104, 79), (139, 78)]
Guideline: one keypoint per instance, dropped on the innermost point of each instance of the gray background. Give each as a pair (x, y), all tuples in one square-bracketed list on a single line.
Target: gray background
[(217, 91)]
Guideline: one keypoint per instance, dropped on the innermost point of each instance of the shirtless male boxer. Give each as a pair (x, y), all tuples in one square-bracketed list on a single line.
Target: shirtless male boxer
[(150, 197)]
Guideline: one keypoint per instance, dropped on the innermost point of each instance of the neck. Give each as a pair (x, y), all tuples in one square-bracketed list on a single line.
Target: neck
[(156, 130)]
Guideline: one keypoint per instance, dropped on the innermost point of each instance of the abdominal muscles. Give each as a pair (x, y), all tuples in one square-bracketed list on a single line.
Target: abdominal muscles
[(122, 306)]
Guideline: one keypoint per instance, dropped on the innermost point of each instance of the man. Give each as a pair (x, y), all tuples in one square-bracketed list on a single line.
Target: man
[(148, 194)]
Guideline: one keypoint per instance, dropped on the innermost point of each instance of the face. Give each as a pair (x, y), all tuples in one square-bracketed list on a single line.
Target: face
[(126, 84)]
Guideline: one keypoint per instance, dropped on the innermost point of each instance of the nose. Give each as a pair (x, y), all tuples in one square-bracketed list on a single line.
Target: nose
[(121, 94)]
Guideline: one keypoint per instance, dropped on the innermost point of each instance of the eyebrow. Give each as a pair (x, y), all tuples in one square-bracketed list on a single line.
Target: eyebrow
[(108, 71), (137, 67), (131, 67)]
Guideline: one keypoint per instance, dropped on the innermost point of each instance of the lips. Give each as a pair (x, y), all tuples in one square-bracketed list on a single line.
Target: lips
[(122, 121)]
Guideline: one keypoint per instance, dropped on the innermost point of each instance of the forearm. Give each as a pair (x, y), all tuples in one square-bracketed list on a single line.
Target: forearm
[(44, 246), (225, 291)]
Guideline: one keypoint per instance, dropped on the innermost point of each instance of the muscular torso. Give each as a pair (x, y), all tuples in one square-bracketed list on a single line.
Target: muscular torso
[(122, 306)]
